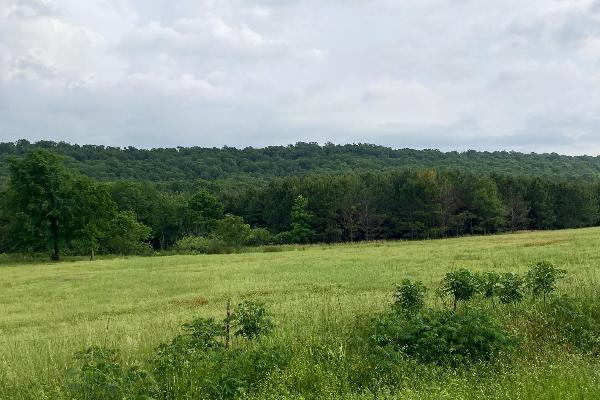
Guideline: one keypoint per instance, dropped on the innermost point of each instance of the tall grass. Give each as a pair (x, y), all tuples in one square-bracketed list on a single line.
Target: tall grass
[(318, 296)]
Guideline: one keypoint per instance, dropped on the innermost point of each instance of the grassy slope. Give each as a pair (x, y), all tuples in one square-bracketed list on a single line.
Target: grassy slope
[(48, 311)]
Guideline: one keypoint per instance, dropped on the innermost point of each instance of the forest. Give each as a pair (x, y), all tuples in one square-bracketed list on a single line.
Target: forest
[(235, 165), (48, 205)]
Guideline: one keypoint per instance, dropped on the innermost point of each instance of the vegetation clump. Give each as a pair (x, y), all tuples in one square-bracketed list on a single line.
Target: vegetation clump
[(410, 296), (444, 336), (461, 285), (542, 277)]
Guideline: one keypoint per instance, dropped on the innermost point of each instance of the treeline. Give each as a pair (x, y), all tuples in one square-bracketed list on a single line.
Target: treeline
[(105, 163), (419, 204), (46, 206)]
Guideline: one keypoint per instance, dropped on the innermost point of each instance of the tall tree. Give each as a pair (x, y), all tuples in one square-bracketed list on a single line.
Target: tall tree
[(301, 231), (93, 211), (39, 202), (205, 209)]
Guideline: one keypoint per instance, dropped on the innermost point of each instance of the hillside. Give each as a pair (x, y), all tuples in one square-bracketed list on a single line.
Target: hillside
[(228, 163)]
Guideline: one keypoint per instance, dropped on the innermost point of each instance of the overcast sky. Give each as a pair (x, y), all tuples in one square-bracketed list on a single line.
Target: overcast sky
[(448, 74)]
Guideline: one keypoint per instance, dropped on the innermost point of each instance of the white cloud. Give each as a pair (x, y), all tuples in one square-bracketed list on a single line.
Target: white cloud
[(434, 73)]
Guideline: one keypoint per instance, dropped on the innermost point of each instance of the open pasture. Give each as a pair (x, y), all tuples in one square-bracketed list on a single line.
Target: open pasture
[(48, 311)]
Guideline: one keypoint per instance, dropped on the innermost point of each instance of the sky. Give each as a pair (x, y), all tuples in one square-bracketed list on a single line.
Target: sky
[(446, 74)]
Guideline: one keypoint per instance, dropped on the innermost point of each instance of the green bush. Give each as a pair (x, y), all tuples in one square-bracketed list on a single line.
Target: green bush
[(98, 375), (489, 285), (220, 373), (461, 284), (260, 237), (201, 244), (251, 320), (410, 297), (443, 337), (511, 288), (542, 277)]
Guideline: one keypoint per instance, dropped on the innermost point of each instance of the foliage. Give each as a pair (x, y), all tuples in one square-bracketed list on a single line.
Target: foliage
[(443, 337), (40, 201), (410, 296), (201, 244), (205, 210), (301, 231), (220, 374), (511, 288), (233, 231), (489, 285), (252, 320), (461, 284), (126, 235), (260, 237), (577, 321), (98, 374), (542, 277)]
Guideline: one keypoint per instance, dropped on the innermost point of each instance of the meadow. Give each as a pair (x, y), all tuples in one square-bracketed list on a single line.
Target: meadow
[(316, 294)]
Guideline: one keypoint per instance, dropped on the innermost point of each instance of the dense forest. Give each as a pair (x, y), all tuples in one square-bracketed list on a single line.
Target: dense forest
[(187, 164), (48, 205)]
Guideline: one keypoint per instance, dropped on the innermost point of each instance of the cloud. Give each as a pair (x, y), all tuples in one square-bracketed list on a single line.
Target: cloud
[(430, 74)]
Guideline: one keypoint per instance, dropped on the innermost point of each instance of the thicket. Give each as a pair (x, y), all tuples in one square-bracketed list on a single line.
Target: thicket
[(237, 357)]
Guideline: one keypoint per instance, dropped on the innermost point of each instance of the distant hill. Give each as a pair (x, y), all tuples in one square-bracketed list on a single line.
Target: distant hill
[(228, 163)]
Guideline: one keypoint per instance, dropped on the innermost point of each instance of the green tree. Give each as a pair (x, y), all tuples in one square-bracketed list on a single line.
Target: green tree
[(39, 203), (205, 209), (461, 284), (94, 209), (487, 205), (301, 231), (127, 235), (233, 230)]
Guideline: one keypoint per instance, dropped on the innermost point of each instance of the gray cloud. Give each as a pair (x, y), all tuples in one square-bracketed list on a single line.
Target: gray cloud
[(449, 74)]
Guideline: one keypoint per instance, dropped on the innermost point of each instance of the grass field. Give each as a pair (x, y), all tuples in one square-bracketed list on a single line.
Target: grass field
[(315, 293)]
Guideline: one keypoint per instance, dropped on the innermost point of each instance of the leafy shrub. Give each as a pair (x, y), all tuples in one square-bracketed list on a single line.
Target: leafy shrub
[(251, 319), (99, 375), (284, 237), (260, 237), (542, 277), (204, 333), (489, 285), (220, 373), (410, 296), (461, 284), (201, 244), (443, 337), (233, 231), (511, 288)]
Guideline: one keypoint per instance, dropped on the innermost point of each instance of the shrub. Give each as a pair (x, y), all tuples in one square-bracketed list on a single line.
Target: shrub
[(99, 375), (251, 319), (220, 373), (511, 288), (443, 337), (489, 285), (233, 231), (260, 237), (204, 333), (542, 277), (201, 244), (410, 296), (461, 284)]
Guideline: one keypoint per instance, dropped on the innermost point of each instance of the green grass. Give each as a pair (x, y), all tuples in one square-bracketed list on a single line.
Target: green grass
[(49, 311)]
